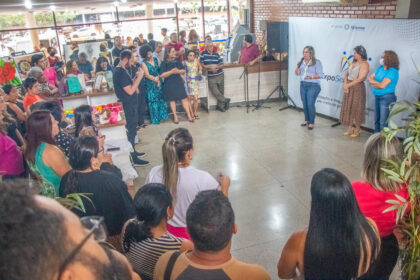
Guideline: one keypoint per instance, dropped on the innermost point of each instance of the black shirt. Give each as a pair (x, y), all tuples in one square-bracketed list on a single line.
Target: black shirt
[(122, 79), (108, 194), (152, 44), (116, 52)]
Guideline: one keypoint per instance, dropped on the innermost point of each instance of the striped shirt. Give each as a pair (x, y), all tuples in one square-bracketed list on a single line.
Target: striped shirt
[(211, 59), (144, 255)]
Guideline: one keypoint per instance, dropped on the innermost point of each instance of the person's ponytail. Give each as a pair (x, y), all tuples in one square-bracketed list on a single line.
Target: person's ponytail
[(135, 231), (151, 204), (170, 164)]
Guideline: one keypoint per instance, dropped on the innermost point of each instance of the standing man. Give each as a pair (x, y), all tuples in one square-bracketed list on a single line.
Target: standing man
[(178, 46), (212, 61), (250, 53), (152, 43), (159, 52), (135, 64), (165, 38), (126, 90), (207, 39), (118, 48)]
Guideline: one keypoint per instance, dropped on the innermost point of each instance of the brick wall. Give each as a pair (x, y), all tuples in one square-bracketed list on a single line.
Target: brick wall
[(281, 10)]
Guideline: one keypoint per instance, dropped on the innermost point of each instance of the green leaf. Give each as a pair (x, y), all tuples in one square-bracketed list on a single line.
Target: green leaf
[(392, 201), (400, 198), (402, 169), (391, 208), (390, 172), (408, 139), (396, 179), (391, 162), (392, 125)]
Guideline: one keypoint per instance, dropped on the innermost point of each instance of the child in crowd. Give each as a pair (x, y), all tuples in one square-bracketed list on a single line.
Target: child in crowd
[(32, 87), (194, 72)]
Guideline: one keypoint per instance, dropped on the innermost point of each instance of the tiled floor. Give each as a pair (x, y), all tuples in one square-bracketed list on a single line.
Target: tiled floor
[(270, 160)]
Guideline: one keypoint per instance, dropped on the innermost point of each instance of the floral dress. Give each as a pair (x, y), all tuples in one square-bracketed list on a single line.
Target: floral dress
[(157, 106), (192, 77)]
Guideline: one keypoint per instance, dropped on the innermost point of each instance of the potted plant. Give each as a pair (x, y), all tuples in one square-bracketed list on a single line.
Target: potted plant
[(407, 172)]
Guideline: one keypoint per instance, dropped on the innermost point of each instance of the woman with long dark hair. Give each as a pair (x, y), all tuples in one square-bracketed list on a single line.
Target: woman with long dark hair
[(173, 90), (84, 117), (354, 98), (340, 243), (310, 71), (372, 195), (183, 180), (145, 237), (108, 194), (102, 65), (44, 158)]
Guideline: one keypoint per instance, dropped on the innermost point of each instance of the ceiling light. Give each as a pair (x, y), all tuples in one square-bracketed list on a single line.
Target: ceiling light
[(123, 1), (116, 4), (52, 8), (28, 4)]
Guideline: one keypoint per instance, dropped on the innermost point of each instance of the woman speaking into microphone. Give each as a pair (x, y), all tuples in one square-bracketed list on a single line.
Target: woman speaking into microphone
[(310, 71)]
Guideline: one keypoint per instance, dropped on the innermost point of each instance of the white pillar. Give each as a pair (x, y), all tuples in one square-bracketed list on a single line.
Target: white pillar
[(149, 14), (31, 23), (403, 9)]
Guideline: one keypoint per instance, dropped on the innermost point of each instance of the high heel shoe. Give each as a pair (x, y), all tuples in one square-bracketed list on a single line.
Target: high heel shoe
[(355, 134)]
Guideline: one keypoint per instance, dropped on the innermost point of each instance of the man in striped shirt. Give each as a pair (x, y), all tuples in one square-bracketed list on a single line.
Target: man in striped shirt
[(212, 61)]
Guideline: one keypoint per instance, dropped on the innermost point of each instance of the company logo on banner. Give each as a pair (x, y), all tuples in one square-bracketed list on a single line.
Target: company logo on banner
[(334, 39)]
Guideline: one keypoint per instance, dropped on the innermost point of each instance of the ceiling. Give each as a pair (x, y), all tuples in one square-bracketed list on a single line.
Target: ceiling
[(18, 5)]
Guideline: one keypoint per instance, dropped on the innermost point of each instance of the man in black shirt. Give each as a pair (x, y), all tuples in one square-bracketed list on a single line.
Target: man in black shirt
[(126, 90), (152, 43), (141, 96), (118, 48)]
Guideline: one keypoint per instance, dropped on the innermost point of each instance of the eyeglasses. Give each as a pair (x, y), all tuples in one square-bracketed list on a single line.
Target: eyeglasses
[(97, 229)]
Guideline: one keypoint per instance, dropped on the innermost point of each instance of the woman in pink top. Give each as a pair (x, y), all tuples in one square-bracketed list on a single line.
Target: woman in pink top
[(11, 163), (372, 194), (51, 76)]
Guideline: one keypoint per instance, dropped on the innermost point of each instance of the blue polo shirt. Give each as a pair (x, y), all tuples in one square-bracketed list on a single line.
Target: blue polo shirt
[(380, 75), (211, 59)]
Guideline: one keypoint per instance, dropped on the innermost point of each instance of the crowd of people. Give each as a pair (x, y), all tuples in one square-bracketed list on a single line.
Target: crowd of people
[(180, 224)]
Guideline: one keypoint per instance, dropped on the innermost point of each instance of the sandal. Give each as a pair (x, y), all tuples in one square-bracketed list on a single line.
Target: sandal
[(304, 124), (356, 134), (349, 131), (196, 117)]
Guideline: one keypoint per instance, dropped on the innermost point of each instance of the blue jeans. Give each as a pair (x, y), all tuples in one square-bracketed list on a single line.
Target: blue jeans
[(382, 103), (308, 93)]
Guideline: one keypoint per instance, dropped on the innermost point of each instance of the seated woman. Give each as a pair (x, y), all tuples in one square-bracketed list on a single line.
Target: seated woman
[(102, 65), (145, 237), (340, 243), (45, 159), (372, 195), (73, 71), (109, 196), (183, 181), (84, 117), (11, 163), (107, 163), (14, 105)]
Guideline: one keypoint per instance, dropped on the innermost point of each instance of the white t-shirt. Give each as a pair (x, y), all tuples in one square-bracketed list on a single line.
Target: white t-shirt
[(191, 181)]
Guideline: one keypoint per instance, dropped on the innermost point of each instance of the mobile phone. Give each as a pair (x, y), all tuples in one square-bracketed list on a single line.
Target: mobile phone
[(113, 149)]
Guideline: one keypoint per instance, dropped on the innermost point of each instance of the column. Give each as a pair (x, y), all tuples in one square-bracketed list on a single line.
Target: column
[(31, 23), (149, 14)]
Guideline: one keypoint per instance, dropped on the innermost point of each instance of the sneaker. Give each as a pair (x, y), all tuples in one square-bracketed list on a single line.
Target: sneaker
[(137, 154), (221, 109), (140, 162), (227, 103)]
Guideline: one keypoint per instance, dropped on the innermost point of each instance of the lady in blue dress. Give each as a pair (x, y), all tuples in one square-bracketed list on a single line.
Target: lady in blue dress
[(150, 66)]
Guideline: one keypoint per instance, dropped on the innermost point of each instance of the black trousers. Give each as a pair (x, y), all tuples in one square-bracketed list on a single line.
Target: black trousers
[(386, 261), (131, 115), (141, 102)]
